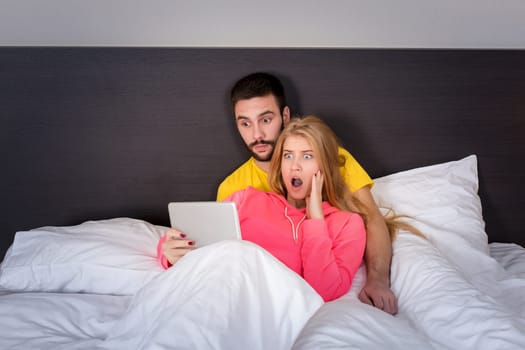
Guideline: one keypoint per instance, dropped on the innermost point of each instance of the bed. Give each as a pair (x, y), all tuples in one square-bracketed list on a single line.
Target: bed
[(99, 140)]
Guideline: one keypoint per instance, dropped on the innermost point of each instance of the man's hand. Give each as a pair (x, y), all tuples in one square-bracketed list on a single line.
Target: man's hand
[(378, 255), (379, 295)]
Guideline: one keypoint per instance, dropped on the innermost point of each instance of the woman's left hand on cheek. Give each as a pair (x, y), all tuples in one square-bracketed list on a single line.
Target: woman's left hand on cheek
[(314, 201)]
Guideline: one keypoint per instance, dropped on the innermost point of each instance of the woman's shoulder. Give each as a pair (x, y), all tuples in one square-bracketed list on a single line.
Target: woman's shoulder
[(340, 215)]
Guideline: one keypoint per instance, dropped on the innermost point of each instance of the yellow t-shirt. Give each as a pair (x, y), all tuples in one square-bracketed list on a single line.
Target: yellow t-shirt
[(249, 174)]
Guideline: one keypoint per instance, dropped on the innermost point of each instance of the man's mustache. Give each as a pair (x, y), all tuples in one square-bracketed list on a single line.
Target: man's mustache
[(261, 142)]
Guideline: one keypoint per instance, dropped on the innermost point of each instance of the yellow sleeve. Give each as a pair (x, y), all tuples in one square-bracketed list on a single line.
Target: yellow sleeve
[(226, 188), (353, 173)]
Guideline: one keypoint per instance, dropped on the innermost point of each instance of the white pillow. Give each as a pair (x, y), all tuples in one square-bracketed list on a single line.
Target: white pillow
[(442, 201), (115, 256)]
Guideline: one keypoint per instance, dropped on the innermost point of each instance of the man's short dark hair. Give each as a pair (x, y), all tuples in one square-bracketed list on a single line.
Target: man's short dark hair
[(258, 84)]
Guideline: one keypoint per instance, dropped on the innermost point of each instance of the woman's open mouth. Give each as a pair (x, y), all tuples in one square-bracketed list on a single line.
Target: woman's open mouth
[(296, 182)]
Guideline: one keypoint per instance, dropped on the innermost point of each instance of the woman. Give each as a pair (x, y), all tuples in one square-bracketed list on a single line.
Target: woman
[(306, 223)]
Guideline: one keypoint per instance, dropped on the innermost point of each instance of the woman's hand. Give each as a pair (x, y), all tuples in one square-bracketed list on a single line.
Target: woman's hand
[(314, 202), (176, 246)]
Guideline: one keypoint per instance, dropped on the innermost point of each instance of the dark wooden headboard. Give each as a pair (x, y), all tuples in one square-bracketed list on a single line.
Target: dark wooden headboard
[(94, 133)]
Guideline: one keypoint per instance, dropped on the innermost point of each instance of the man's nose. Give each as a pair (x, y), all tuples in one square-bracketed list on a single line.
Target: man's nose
[(257, 133)]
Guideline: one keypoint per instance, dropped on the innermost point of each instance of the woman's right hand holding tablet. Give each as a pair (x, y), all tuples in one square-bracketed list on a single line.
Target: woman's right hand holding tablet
[(176, 245)]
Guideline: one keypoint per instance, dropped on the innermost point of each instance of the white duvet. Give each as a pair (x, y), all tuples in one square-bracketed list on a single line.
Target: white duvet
[(233, 295), (98, 285), (230, 295), (441, 305)]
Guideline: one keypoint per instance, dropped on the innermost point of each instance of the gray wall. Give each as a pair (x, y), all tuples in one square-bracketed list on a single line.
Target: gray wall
[(273, 23)]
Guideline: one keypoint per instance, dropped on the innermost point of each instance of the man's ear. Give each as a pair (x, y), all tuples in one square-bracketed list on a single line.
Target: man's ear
[(286, 115)]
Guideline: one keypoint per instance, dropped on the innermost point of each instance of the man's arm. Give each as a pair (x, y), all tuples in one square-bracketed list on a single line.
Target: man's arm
[(378, 255)]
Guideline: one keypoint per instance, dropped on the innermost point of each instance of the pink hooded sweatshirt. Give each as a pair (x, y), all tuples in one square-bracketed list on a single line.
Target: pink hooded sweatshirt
[(326, 253)]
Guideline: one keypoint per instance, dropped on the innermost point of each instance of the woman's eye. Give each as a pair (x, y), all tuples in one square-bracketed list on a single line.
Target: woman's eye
[(287, 156), (308, 156)]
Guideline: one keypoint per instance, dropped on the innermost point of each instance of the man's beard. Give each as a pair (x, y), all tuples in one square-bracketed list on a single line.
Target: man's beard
[(263, 142)]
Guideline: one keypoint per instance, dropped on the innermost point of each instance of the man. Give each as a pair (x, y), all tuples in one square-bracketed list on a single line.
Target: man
[(261, 112)]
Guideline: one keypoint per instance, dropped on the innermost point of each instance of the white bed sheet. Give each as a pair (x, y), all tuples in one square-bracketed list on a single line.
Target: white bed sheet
[(436, 316), (447, 310), (58, 320), (441, 305)]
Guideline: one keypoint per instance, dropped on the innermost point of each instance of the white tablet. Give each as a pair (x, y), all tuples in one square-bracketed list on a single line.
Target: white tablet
[(205, 222)]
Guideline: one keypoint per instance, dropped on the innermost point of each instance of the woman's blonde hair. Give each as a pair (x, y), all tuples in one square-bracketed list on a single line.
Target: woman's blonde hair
[(325, 144)]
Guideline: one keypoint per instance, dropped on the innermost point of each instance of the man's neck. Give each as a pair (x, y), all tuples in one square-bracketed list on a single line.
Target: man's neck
[(265, 166)]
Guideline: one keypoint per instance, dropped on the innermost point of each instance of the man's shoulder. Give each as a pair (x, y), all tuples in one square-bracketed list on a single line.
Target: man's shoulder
[(355, 176), (240, 172), (346, 154), (236, 180)]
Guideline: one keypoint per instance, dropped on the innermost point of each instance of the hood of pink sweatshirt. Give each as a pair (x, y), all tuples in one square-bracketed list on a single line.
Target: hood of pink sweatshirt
[(293, 211), (254, 204)]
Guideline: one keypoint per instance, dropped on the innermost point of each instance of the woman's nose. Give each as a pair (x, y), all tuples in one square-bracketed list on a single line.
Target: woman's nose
[(296, 164)]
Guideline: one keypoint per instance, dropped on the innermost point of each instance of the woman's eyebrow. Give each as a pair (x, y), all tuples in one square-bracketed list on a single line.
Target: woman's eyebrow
[(302, 151)]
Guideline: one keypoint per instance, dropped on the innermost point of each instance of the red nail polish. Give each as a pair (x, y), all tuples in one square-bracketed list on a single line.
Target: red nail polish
[(182, 235), (191, 243)]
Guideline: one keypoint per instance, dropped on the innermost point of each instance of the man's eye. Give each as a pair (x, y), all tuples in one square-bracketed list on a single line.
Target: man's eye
[(245, 124), (266, 120)]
